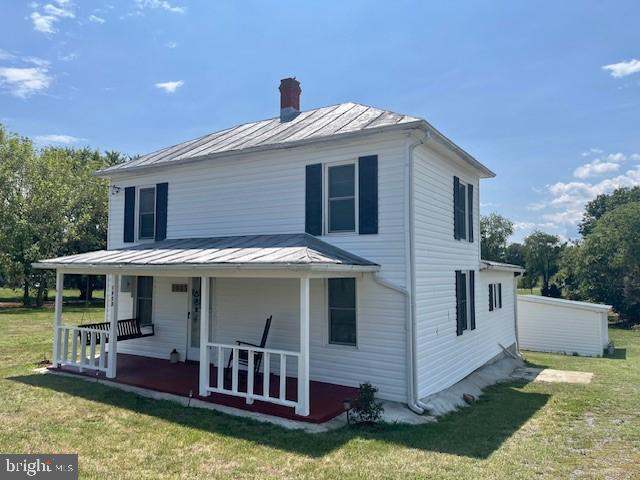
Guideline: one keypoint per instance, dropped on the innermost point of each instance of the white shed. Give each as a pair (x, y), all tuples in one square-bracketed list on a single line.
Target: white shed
[(562, 326)]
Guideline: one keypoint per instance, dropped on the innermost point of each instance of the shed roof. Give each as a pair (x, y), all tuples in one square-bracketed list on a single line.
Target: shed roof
[(501, 267), (320, 124), (249, 251)]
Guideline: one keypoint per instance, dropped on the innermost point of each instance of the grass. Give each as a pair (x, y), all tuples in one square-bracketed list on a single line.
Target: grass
[(530, 291), (516, 430), (70, 294)]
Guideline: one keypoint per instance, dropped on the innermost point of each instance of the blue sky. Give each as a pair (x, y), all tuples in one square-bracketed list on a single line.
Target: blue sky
[(547, 94)]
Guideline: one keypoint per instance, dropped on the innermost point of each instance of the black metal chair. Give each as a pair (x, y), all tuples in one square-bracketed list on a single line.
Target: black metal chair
[(243, 355)]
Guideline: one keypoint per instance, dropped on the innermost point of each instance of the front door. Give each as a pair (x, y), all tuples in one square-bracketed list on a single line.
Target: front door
[(193, 346)]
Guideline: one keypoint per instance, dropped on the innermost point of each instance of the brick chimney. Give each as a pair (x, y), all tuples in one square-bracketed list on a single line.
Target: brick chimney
[(289, 99)]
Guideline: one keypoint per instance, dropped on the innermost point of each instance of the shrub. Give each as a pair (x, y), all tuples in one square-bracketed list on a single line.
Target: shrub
[(366, 408)]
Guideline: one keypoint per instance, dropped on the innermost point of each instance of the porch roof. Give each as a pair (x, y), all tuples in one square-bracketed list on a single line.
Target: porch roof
[(279, 251)]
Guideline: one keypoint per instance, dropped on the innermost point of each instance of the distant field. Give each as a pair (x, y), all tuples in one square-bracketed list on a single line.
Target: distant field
[(530, 291), (70, 295)]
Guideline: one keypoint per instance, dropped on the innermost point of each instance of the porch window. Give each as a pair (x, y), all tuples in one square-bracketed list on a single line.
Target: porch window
[(144, 300), (342, 198), (147, 213), (342, 311)]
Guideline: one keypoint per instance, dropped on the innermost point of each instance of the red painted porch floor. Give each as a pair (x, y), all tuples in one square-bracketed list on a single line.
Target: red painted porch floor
[(182, 378)]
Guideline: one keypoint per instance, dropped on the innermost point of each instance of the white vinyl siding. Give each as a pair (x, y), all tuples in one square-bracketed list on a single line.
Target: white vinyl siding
[(443, 357)]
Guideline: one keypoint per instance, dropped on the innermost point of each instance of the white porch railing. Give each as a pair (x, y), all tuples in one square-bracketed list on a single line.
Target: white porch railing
[(82, 347), (218, 352)]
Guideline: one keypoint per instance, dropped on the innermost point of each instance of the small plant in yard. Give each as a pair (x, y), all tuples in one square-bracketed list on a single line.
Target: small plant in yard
[(366, 408)]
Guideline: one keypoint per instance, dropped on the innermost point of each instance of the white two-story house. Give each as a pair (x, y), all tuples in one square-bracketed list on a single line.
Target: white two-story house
[(354, 230)]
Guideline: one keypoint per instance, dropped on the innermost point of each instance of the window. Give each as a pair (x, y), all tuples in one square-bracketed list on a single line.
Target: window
[(465, 301), (495, 296), (147, 213), (461, 213), (342, 311), (144, 300), (341, 198), (462, 210)]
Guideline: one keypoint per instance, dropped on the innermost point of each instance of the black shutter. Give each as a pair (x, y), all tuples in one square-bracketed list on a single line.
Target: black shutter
[(491, 297), (162, 194), (129, 214), (368, 194), (456, 208), (472, 299), (459, 307), (313, 199), (499, 295), (470, 213)]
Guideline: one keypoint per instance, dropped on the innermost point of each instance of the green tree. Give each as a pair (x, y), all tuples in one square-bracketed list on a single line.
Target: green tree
[(604, 203), (515, 254), (608, 262), (542, 253), (495, 230), (51, 206)]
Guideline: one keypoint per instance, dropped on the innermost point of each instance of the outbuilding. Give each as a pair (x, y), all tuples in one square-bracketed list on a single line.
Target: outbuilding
[(562, 326)]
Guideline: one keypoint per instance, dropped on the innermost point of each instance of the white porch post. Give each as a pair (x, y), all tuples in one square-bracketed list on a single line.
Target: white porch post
[(204, 337), (113, 327), (303, 362), (57, 319)]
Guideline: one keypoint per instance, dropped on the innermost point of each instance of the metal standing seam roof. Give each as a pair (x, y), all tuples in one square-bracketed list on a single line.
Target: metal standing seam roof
[(318, 124), (277, 251), (499, 266)]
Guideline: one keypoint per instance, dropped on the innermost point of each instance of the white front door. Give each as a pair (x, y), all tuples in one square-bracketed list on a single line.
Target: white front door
[(193, 321)]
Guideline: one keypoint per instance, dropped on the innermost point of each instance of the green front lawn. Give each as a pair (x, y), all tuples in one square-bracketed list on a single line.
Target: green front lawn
[(516, 430)]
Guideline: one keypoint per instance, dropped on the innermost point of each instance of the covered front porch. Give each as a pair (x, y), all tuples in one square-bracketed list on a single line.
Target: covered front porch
[(269, 377), (326, 399)]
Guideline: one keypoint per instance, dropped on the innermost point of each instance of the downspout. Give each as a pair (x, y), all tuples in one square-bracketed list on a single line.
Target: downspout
[(409, 292)]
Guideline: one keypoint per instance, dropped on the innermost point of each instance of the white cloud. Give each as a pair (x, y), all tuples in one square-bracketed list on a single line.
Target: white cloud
[(568, 198), (45, 20), (58, 138), (601, 166), (171, 44), (43, 23), (592, 151), (170, 87), (159, 4), (96, 19), (63, 10), (622, 69), (24, 82), (4, 55), (595, 168), (536, 206), (67, 58)]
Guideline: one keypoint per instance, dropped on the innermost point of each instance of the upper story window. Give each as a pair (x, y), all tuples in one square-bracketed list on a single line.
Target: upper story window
[(147, 213), (341, 198), (462, 210)]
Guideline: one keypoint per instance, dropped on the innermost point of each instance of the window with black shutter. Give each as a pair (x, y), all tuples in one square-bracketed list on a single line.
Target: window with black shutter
[(462, 210), (465, 301), (346, 201), (495, 296)]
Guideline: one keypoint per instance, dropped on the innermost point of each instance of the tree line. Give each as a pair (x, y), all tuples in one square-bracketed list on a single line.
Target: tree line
[(602, 266), (50, 205)]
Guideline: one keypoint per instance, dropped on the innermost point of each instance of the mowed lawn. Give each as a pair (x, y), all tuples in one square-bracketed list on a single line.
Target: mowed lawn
[(516, 430)]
